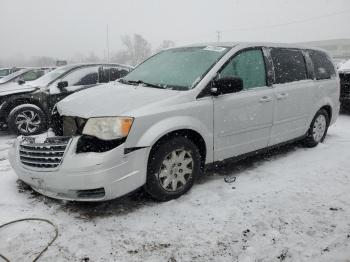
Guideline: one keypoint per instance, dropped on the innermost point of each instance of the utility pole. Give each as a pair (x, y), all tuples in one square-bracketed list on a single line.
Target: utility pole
[(107, 44), (218, 35)]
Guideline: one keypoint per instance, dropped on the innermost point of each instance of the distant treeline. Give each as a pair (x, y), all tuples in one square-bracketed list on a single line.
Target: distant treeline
[(135, 49)]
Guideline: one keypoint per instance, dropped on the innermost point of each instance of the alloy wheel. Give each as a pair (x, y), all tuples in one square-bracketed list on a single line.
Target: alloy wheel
[(28, 121)]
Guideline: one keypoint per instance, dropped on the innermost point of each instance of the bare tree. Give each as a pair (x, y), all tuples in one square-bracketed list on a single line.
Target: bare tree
[(92, 58), (165, 44), (137, 49), (81, 58)]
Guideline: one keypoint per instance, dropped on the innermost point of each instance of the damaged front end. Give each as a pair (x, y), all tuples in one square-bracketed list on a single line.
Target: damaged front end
[(69, 126), (65, 163)]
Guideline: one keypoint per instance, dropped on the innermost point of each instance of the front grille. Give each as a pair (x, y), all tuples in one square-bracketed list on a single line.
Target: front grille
[(43, 155)]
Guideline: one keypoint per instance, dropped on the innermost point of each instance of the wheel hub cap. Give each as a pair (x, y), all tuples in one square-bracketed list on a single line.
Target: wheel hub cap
[(319, 128), (175, 170)]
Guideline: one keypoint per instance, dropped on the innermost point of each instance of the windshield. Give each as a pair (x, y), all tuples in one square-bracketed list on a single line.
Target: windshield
[(51, 76), (179, 68), (12, 76)]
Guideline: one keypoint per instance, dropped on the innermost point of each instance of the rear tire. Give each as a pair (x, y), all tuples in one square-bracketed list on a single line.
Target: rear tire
[(27, 119), (173, 166), (318, 129)]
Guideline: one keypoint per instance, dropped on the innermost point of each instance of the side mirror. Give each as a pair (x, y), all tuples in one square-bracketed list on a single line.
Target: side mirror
[(62, 85), (227, 85), (21, 82)]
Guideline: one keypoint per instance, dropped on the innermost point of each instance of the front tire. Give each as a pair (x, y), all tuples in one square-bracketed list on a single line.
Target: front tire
[(318, 129), (27, 119), (172, 168)]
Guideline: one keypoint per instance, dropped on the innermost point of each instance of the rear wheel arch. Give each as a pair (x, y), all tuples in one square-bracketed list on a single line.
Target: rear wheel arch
[(311, 139), (328, 109), (325, 104)]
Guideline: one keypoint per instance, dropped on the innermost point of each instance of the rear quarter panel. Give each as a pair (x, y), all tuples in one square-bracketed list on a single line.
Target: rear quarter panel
[(327, 94)]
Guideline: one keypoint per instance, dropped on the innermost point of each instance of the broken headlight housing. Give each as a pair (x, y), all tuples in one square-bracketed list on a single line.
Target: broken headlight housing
[(108, 128)]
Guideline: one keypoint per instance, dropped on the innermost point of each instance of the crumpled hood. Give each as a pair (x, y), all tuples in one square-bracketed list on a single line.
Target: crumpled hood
[(13, 88), (111, 100)]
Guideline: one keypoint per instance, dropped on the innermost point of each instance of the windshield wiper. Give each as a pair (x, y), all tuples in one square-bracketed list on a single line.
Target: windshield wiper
[(140, 82)]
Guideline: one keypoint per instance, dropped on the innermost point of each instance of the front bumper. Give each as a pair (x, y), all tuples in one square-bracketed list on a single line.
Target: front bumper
[(80, 176)]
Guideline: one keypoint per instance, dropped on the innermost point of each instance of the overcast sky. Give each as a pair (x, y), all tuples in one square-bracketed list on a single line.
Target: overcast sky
[(62, 28)]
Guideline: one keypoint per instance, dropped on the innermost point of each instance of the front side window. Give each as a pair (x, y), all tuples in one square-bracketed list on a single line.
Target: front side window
[(111, 73), (82, 76), (178, 68), (323, 67), (289, 65), (51, 76), (249, 65)]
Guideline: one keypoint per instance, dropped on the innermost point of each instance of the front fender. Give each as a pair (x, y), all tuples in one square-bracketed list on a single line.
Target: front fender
[(165, 126), (9, 102)]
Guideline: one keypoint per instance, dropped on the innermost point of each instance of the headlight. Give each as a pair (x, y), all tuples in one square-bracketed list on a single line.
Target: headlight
[(108, 128)]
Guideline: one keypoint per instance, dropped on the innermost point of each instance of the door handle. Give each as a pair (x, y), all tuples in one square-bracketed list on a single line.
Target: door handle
[(265, 99), (282, 96)]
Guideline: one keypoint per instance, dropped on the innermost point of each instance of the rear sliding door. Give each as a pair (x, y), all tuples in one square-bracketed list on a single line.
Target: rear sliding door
[(293, 92)]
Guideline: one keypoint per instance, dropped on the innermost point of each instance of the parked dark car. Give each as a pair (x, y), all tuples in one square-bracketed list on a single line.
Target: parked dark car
[(344, 75), (26, 109)]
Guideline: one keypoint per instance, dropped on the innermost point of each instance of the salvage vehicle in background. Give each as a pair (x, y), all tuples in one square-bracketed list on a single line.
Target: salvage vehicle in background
[(6, 71), (26, 108), (21, 76), (344, 75), (179, 110)]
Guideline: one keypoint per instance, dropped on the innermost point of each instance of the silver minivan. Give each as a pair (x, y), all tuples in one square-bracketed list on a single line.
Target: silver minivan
[(178, 111)]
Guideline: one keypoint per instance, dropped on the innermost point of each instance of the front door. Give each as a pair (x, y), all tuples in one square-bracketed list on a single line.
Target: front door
[(243, 120), (79, 79)]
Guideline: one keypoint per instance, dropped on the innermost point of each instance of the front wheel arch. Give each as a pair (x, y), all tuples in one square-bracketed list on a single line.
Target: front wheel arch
[(156, 159), (190, 134)]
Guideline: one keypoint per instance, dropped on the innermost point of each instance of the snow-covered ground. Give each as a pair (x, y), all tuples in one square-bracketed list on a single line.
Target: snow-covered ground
[(292, 204)]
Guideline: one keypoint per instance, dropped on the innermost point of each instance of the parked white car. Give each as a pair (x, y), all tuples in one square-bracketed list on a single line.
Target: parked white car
[(179, 110), (7, 71)]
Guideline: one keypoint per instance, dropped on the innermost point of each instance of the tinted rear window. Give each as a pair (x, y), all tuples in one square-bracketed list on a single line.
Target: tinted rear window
[(289, 65), (323, 67)]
